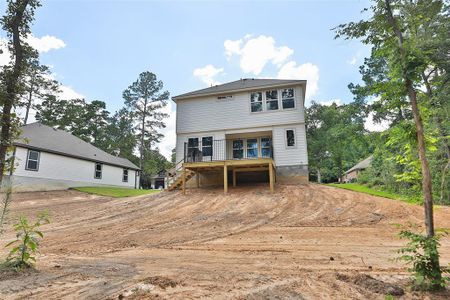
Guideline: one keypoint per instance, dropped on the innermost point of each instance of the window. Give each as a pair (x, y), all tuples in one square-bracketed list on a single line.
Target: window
[(252, 148), (207, 143), (290, 138), (266, 147), (192, 148), (238, 149), (98, 171), (125, 175), (256, 101), (228, 97), (288, 100), (32, 160), (272, 100)]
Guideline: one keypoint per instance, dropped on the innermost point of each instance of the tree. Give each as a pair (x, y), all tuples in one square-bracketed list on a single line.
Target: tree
[(16, 23), (400, 33), (145, 99), (336, 139), (38, 85)]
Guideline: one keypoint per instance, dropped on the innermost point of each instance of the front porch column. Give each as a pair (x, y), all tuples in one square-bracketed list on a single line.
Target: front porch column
[(225, 178)]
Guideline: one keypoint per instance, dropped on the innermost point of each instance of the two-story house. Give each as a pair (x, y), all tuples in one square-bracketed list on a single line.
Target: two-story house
[(241, 131)]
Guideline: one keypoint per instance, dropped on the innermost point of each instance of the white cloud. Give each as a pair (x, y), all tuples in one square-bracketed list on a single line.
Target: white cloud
[(306, 71), (68, 93), (45, 43), (371, 125), (42, 45), (168, 142), (255, 53), (207, 74)]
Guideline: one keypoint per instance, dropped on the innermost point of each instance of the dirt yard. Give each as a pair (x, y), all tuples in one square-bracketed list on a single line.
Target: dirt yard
[(303, 242)]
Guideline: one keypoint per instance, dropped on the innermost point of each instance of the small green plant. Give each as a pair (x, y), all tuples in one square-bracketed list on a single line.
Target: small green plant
[(26, 245), (423, 253)]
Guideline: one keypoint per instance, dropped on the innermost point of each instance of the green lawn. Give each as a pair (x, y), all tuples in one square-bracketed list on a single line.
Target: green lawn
[(114, 191), (372, 191)]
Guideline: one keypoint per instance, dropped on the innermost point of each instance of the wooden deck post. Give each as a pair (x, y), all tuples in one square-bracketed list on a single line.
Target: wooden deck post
[(271, 179), (184, 181), (225, 178), (197, 175), (234, 177)]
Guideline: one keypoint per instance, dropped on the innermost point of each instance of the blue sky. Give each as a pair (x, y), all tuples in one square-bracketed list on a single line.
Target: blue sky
[(97, 48)]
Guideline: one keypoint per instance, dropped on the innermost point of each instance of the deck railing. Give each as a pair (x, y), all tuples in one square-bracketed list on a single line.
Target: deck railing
[(202, 150)]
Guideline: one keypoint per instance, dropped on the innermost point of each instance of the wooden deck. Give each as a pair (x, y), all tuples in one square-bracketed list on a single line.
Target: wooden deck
[(242, 165)]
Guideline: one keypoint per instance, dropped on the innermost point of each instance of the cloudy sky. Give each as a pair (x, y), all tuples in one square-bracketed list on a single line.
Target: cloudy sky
[(97, 48)]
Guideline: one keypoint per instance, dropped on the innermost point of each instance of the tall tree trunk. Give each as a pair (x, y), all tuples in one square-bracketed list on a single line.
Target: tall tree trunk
[(141, 153), (319, 177), (30, 100), (426, 176), (12, 80)]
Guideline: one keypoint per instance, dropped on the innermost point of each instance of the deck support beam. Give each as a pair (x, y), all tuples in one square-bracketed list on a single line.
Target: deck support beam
[(225, 178), (234, 177), (184, 181), (271, 178)]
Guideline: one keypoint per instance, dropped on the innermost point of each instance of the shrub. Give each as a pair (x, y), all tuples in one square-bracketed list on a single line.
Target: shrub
[(422, 252), (26, 244)]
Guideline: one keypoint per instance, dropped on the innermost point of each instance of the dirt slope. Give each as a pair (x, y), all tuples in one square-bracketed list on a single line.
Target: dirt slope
[(303, 242)]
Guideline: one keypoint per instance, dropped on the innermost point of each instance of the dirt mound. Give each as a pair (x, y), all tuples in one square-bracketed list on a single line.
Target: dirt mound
[(248, 244), (374, 285)]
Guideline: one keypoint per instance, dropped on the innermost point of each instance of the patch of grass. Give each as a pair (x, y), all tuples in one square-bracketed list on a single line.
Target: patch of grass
[(115, 192), (374, 192)]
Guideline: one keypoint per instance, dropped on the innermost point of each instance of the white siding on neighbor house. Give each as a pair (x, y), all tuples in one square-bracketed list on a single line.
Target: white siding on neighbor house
[(283, 155), (79, 171), (211, 114)]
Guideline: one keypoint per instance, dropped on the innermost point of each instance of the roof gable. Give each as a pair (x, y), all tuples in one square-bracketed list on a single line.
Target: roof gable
[(239, 85)]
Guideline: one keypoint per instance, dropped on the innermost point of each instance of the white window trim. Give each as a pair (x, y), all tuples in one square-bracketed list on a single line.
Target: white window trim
[(37, 160), (286, 141), (264, 101), (95, 171), (123, 175)]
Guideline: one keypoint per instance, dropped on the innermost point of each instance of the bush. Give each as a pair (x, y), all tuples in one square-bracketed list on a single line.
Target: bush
[(422, 252), (26, 244)]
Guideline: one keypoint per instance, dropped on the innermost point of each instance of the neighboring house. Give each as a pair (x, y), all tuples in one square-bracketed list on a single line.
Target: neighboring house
[(158, 181), (353, 173), (251, 129), (51, 159)]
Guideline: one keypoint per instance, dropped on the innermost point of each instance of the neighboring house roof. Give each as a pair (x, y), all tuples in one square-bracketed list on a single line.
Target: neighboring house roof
[(364, 164), (47, 139), (239, 85)]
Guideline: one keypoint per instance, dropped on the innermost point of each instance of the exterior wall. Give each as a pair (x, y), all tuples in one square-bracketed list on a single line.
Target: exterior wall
[(61, 172), (210, 114), (283, 156), (353, 175)]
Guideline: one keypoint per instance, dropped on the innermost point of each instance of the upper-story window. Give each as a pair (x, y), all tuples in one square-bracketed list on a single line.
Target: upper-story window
[(32, 160), (287, 98), (272, 100), (256, 101), (98, 171)]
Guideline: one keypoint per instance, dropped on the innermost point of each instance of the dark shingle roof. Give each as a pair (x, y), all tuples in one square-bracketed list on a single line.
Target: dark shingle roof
[(241, 84), (364, 164), (47, 139)]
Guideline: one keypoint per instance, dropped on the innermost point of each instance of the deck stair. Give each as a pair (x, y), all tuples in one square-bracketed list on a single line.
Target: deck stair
[(176, 178)]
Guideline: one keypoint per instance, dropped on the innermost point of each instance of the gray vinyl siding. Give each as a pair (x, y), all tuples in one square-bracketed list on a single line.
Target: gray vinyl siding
[(210, 114)]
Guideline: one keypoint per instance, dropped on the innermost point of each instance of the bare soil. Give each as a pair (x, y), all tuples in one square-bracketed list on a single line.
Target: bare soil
[(303, 242)]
